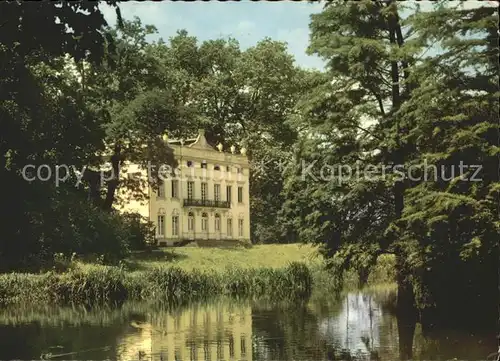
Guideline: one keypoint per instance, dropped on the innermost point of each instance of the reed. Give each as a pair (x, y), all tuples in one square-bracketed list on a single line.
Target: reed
[(99, 285)]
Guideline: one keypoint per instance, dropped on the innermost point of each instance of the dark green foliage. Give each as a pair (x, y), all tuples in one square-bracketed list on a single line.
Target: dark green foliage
[(72, 98), (450, 229), (429, 112), (49, 117), (141, 232), (382, 101), (63, 221)]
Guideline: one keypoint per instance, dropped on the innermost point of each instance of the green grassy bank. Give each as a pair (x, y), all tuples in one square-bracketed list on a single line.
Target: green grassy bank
[(180, 275), (217, 259)]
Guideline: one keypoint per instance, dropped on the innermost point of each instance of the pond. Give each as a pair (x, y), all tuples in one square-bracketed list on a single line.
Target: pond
[(360, 326)]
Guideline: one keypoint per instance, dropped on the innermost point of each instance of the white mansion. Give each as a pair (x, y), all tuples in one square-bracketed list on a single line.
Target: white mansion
[(208, 199)]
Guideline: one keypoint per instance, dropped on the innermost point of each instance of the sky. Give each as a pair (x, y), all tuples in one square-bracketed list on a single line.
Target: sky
[(248, 22)]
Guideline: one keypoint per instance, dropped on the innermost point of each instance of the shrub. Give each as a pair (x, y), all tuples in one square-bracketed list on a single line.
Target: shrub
[(64, 222), (140, 231)]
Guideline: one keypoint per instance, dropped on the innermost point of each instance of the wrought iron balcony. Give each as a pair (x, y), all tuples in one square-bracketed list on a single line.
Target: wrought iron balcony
[(205, 203)]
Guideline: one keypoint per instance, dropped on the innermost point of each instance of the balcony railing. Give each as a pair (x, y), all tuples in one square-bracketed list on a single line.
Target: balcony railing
[(206, 203)]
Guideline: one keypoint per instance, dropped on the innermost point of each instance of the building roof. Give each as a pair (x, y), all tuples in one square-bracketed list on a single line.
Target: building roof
[(200, 142)]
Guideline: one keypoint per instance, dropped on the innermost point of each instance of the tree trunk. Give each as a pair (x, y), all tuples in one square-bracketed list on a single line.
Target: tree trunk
[(363, 275), (94, 180), (405, 303), (113, 182), (406, 333)]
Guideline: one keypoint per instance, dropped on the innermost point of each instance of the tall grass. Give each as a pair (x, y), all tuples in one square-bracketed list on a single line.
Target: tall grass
[(186, 274), (173, 285)]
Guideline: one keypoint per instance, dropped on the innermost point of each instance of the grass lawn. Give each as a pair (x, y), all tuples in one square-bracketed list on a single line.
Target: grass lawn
[(208, 258)]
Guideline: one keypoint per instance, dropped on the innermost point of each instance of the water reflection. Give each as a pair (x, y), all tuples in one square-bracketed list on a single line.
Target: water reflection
[(357, 326), (216, 332), (362, 326)]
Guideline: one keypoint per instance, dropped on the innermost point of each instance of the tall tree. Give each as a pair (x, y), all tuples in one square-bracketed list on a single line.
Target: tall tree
[(46, 120), (241, 98), (450, 227), (136, 106), (390, 105), (363, 45)]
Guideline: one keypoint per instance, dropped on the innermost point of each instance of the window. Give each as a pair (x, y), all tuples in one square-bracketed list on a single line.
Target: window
[(230, 227), (231, 346), (191, 221), (190, 185), (216, 167), (175, 186), (217, 192), (220, 350), (240, 170), (161, 225), (175, 225), (206, 348), (189, 163), (243, 346), (240, 227), (228, 194), (193, 351), (161, 190), (204, 164), (240, 194), (204, 190), (204, 222), (228, 168), (217, 222)]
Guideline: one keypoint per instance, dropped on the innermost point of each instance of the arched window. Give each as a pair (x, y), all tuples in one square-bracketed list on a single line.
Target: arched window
[(217, 222), (160, 190), (191, 221), (204, 222), (216, 167)]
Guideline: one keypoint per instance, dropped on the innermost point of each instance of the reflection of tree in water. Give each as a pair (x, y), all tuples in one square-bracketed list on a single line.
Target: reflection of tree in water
[(298, 333), (68, 333), (356, 327), (448, 344), (361, 327), (286, 333)]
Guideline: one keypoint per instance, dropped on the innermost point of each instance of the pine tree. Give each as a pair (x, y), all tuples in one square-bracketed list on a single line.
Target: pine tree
[(450, 226)]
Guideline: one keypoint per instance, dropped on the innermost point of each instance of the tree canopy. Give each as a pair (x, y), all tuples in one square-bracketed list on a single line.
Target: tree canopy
[(393, 148)]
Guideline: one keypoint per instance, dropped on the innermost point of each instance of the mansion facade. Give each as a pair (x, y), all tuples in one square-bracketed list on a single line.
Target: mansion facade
[(207, 200)]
